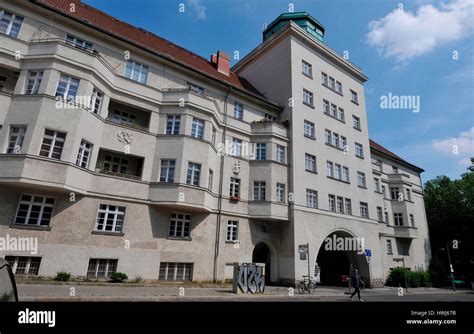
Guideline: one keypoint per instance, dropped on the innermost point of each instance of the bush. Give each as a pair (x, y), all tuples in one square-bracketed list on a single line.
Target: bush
[(118, 277), (414, 279), (62, 276)]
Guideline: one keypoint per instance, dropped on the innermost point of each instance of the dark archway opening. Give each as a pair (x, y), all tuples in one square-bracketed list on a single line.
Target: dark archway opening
[(261, 254), (336, 266)]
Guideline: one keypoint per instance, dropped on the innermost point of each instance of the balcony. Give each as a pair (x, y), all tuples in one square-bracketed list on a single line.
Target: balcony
[(8, 79), (119, 165), (266, 210), (128, 116), (398, 178), (405, 232)]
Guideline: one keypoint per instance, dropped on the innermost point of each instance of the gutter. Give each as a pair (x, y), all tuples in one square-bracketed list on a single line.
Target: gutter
[(221, 184)]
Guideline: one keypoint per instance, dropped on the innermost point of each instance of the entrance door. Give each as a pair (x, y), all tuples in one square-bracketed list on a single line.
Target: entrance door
[(261, 254)]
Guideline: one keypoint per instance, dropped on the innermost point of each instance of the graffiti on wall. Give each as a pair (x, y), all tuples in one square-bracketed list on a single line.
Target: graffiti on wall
[(250, 278)]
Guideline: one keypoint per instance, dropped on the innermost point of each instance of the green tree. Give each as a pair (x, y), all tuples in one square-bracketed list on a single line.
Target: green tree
[(450, 213)]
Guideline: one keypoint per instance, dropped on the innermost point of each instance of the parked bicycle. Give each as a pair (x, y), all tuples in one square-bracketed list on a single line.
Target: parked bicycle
[(306, 285)]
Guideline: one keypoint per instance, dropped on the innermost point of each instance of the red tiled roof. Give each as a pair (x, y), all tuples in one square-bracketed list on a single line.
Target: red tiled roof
[(98, 19), (380, 148)]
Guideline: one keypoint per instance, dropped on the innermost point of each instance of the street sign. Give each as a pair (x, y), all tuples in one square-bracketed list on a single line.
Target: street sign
[(303, 249), (368, 252)]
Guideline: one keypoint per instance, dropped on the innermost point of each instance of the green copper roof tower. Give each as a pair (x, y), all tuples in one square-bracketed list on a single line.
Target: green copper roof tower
[(303, 19)]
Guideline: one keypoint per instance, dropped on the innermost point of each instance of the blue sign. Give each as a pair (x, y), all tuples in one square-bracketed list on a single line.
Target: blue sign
[(368, 252)]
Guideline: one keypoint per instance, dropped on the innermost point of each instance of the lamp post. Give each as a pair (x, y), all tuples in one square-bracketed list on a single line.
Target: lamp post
[(450, 266), (402, 260)]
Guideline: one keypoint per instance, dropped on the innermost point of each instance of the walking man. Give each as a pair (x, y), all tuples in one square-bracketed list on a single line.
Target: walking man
[(356, 282)]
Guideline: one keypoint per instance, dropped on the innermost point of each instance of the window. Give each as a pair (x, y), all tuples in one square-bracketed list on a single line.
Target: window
[(172, 125), (10, 24), (236, 147), (376, 185), (395, 169), (179, 225), (53, 143), (335, 139), (196, 89), (307, 69), (280, 192), (67, 87), (379, 214), (345, 174), (340, 204), (270, 118), (338, 87), (330, 168), (79, 42), (259, 188), (34, 210), (333, 110), (309, 129), (167, 170), (364, 210), (24, 265), (96, 101), (197, 129), (405, 248), (210, 179), (386, 217), (238, 110), (361, 180), (232, 230), (340, 114), (324, 78), (327, 137), (213, 136), (84, 154), (110, 218), (17, 136), (408, 195), (280, 154), (33, 82), (412, 220), (101, 268), (194, 171), (389, 247), (332, 203), (234, 187), (398, 219), (356, 122), (307, 97), (354, 97), (310, 163), (136, 71), (176, 271), (359, 152), (123, 117), (311, 198), (326, 106), (337, 171), (261, 151), (115, 164), (332, 83), (395, 193), (383, 191), (348, 206)]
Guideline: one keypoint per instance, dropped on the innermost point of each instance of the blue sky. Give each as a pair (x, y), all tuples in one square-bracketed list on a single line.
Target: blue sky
[(425, 50)]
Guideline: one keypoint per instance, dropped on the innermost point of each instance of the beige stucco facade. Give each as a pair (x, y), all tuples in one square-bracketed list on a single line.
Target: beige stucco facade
[(71, 238)]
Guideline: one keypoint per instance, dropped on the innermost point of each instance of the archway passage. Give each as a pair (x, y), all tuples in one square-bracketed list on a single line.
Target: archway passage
[(261, 254), (336, 264)]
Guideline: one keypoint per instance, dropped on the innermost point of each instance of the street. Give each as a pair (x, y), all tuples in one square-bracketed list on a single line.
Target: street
[(71, 292)]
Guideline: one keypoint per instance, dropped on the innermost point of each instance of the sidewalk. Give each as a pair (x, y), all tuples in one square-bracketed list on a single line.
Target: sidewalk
[(71, 292)]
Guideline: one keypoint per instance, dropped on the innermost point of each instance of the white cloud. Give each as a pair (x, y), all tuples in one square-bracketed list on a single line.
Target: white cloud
[(405, 35), (199, 8), (463, 144)]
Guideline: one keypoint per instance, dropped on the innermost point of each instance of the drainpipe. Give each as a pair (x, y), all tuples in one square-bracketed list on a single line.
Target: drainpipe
[(221, 182)]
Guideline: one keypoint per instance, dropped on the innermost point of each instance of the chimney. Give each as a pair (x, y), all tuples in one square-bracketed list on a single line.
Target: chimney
[(222, 62)]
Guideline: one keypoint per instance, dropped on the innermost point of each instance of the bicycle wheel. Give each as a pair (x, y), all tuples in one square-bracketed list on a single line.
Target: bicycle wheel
[(301, 288), (311, 287)]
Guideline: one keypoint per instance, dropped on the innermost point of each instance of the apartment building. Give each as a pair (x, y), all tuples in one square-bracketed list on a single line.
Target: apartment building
[(121, 151)]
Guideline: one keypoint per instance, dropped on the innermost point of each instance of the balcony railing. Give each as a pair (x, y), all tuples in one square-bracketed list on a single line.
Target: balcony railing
[(118, 174)]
